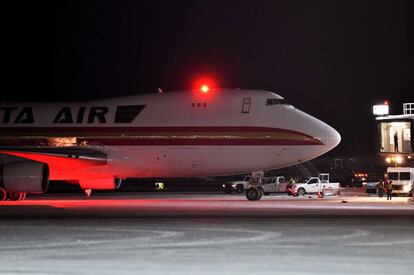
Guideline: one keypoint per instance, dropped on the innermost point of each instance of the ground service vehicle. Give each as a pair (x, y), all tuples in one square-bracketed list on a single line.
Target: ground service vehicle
[(315, 185), (237, 186), (371, 187), (402, 179), (274, 185), (270, 185)]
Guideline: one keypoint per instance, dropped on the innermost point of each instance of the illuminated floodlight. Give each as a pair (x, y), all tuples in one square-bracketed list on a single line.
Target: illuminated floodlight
[(380, 110), (398, 159), (388, 159)]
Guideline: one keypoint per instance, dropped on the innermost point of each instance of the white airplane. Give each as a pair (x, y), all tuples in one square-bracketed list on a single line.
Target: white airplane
[(199, 133)]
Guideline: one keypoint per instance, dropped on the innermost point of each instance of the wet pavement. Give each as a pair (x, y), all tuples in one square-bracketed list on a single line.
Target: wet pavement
[(206, 233)]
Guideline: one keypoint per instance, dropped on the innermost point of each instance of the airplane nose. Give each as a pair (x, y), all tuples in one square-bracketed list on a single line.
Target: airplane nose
[(332, 137), (315, 128)]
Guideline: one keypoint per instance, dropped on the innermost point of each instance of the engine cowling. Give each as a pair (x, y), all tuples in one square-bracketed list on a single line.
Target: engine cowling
[(25, 176)]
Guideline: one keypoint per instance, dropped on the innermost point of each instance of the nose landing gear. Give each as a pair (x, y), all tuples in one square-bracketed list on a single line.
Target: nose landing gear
[(255, 191)]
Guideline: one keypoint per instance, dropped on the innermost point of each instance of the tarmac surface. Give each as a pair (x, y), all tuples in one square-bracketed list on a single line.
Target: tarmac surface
[(187, 233)]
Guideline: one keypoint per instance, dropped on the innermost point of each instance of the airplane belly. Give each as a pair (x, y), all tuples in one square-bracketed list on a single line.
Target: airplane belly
[(157, 161), (189, 161), (185, 161), (226, 160)]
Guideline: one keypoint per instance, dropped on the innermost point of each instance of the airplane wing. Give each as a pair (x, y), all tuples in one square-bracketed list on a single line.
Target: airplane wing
[(59, 158)]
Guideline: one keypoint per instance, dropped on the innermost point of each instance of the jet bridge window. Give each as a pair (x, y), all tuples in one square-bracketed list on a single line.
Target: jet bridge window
[(395, 136), (277, 101)]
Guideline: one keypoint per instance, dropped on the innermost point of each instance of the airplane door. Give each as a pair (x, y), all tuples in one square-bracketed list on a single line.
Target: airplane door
[(185, 161), (246, 105), (245, 110)]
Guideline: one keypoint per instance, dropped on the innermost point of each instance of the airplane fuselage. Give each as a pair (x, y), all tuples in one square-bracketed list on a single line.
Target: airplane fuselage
[(177, 134)]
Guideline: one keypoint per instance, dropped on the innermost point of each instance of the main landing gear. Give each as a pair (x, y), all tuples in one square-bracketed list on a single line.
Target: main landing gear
[(13, 196), (255, 191)]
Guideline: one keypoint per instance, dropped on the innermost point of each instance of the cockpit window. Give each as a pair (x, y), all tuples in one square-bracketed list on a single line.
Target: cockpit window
[(277, 101)]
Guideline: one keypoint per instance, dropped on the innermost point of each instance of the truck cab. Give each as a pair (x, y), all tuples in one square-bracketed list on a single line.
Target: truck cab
[(238, 185), (274, 185), (402, 180)]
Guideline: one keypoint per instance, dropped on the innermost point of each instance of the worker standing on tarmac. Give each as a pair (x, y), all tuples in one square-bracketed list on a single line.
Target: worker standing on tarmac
[(388, 188), (290, 189), (380, 187)]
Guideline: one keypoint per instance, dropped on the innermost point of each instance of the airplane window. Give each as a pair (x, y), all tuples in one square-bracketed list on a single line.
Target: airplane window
[(277, 101)]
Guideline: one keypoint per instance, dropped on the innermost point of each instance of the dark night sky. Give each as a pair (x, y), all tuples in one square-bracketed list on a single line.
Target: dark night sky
[(332, 59)]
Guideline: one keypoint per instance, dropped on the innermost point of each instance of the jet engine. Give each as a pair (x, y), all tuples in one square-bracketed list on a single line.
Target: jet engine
[(25, 176)]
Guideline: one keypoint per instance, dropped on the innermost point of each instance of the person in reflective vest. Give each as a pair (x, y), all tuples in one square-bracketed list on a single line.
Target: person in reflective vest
[(291, 187)]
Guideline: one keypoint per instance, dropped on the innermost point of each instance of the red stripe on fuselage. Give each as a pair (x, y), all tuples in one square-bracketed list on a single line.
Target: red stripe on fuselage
[(124, 136), (159, 142), (72, 130)]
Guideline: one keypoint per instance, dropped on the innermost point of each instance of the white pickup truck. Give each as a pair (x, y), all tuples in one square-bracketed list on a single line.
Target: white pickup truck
[(238, 185), (315, 185), (274, 185), (270, 185)]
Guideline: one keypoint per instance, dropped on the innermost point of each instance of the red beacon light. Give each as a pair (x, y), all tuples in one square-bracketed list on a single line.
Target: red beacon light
[(386, 102), (204, 89)]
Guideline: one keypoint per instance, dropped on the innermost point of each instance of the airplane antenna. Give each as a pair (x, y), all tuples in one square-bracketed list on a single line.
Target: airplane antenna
[(160, 90)]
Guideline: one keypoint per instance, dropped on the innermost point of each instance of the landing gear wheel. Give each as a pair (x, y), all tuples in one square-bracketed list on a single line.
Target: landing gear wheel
[(17, 196), (253, 194), (23, 197), (301, 192), (3, 194)]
